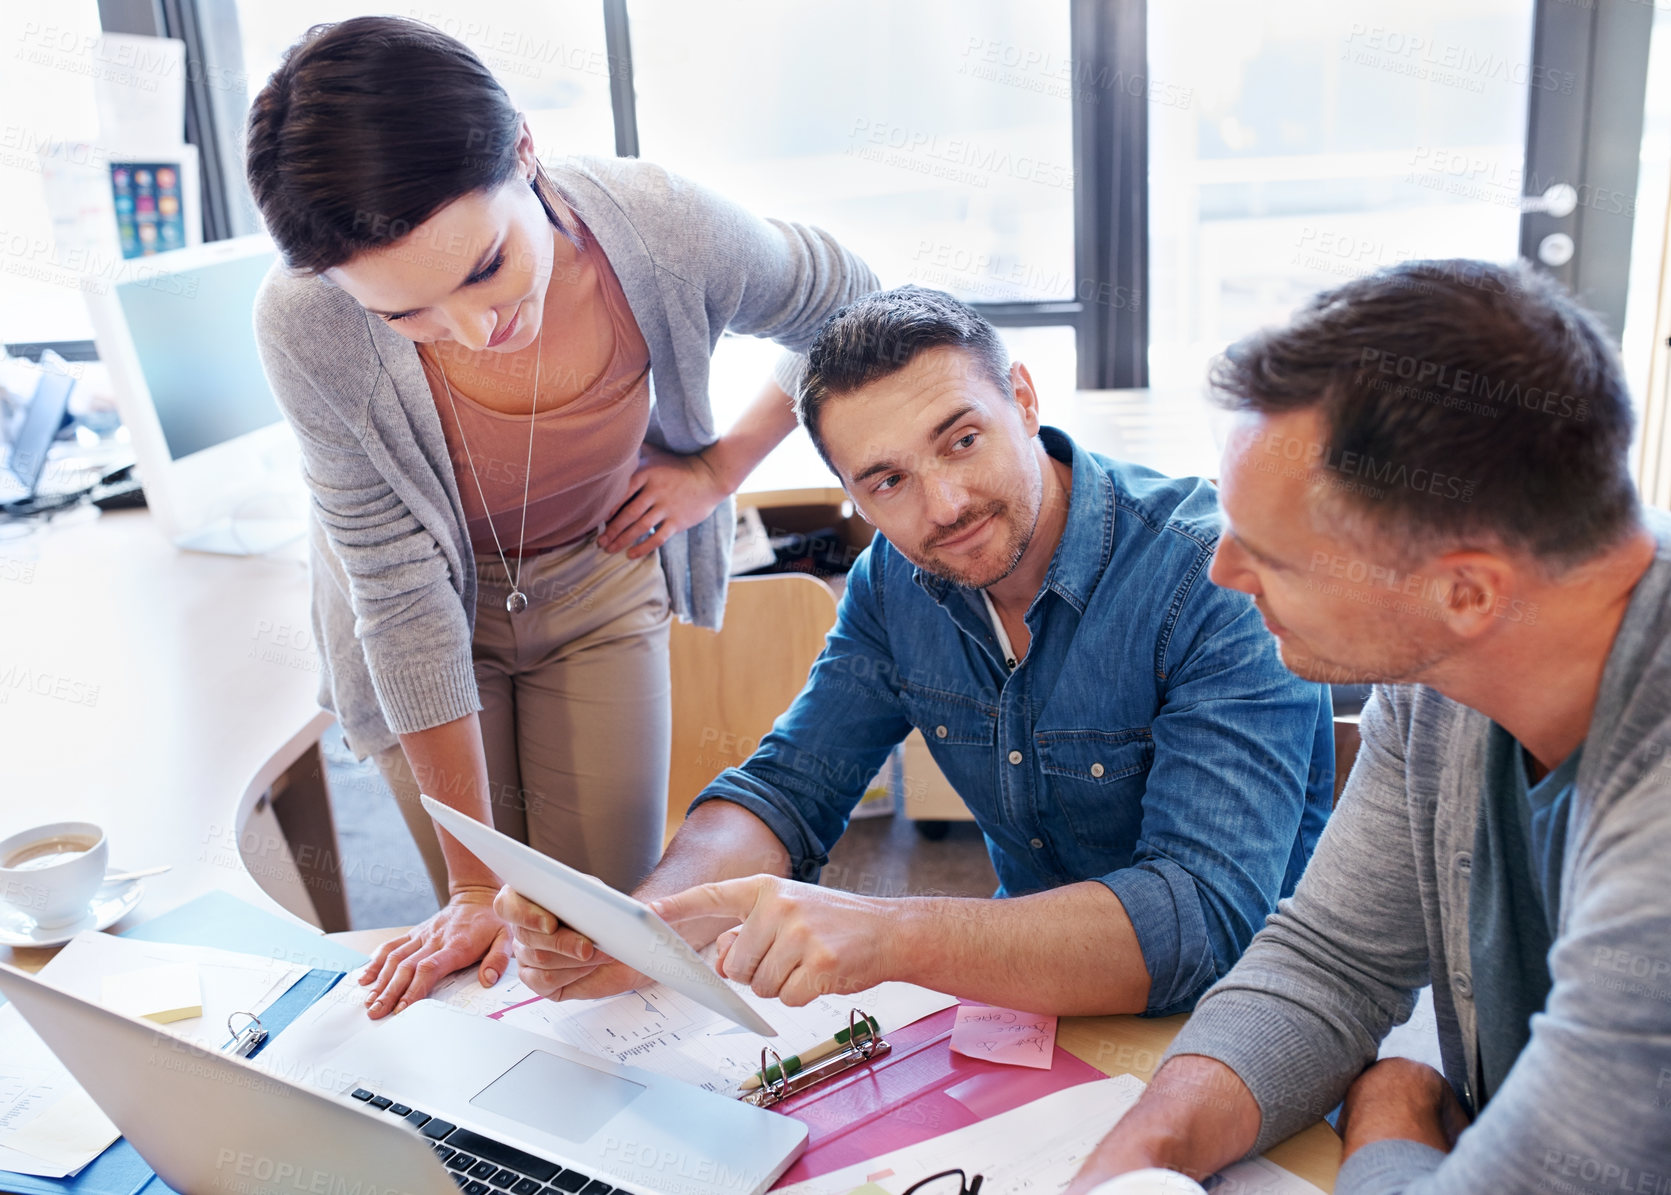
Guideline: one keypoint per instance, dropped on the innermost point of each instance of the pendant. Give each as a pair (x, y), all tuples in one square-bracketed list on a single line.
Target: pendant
[(516, 601)]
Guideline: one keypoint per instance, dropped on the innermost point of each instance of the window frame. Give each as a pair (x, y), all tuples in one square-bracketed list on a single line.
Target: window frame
[(1591, 136)]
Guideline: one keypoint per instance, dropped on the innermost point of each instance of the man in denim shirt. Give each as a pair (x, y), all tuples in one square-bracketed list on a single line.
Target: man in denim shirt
[(1149, 778)]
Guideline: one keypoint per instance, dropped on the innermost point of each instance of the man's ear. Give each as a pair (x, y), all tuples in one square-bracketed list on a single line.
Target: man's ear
[(526, 157), (1026, 397), (1472, 590)]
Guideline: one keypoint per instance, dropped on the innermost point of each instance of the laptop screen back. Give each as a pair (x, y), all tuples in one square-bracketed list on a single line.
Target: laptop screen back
[(40, 427)]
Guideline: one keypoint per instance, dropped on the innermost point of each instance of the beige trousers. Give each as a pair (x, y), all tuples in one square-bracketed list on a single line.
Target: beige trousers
[(577, 716)]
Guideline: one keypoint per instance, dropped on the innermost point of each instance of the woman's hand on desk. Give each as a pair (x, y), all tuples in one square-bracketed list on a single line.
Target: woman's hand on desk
[(465, 931), (555, 961)]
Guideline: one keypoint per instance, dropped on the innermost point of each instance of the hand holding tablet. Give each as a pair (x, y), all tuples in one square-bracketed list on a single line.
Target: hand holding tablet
[(620, 926)]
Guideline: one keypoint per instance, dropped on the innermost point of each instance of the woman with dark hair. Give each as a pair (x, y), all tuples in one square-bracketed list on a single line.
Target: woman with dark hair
[(498, 373)]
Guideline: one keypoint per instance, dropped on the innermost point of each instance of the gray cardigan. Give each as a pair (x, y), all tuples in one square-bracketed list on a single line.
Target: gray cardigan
[(1383, 910), (394, 593)]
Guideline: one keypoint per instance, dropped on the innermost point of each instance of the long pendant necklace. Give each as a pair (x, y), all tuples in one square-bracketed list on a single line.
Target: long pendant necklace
[(516, 601)]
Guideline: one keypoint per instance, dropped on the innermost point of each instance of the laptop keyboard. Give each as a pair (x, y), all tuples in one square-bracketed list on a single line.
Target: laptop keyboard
[(482, 1166)]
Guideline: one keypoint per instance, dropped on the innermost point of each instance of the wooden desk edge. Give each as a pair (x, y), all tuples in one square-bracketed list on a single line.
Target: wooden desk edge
[(828, 495), (1119, 1045)]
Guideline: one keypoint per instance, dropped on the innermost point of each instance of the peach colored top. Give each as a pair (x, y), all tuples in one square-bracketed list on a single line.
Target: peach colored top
[(584, 451)]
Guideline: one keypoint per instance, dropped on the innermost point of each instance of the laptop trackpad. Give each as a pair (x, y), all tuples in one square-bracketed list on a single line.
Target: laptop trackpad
[(557, 1096)]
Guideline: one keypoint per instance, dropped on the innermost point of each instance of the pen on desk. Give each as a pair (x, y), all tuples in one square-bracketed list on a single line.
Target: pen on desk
[(799, 1062)]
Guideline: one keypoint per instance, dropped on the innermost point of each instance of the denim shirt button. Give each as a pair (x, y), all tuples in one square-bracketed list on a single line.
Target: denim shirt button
[(1096, 769), (1015, 757), (1465, 862), (1463, 986), (1037, 844), (939, 732)]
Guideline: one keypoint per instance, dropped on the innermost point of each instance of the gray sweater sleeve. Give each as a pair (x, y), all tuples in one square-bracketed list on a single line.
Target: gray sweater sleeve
[(407, 615), (1587, 1105), (1339, 962), (773, 278), (762, 276)]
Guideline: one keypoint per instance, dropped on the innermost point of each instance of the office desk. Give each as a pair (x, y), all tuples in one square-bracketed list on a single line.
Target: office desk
[(1114, 1045), (154, 692)]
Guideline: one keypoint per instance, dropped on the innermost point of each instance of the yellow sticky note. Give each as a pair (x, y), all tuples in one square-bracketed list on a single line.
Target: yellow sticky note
[(171, 992)]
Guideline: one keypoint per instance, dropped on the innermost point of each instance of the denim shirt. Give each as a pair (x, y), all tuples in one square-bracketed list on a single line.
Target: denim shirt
[(1150, 739)]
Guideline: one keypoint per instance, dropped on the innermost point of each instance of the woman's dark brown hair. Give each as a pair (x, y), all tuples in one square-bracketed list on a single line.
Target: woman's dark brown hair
[(368, 128)]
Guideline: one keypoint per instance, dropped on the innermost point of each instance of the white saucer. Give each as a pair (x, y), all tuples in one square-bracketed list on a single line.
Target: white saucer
[(109, 905)]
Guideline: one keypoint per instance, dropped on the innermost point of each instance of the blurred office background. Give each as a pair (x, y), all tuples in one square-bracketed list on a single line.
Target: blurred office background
[(1124, 186)]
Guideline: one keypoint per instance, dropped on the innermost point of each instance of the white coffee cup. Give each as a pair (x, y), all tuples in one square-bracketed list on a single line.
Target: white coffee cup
[(1151, 1182), (51, 872)]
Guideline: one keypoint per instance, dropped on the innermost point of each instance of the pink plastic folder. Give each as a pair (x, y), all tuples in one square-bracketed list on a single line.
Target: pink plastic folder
[(920, 1090)]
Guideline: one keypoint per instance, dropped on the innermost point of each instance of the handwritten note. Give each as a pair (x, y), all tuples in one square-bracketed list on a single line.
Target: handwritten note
[(1004, 1035)]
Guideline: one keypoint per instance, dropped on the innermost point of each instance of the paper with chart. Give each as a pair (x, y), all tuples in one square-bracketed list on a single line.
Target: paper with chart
[(1035, 1149), (49, 1126), (666, 1032)]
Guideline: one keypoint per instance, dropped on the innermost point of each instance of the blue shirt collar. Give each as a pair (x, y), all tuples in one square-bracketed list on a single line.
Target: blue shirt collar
[(1087, 541)]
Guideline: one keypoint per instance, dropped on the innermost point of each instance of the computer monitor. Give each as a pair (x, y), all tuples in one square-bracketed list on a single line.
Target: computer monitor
[(222, 472)]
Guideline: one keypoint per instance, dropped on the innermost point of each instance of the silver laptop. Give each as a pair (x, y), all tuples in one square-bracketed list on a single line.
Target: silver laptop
[(26, 459), (424, 1103)]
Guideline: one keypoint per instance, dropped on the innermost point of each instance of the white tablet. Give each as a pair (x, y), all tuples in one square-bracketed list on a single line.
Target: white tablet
[(620, 926)]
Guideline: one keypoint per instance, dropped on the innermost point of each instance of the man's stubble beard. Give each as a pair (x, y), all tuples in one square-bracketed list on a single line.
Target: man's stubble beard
[(1016, 547)]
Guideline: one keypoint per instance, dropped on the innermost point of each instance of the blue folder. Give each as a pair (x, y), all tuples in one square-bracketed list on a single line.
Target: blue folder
[(221, 920)]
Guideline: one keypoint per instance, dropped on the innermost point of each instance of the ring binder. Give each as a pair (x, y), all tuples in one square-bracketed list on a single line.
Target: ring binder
[(863, 1045), (247, 1040)]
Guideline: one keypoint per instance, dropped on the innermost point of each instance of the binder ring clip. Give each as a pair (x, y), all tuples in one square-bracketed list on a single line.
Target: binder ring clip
[(778, 1088), (244, 1041), (858, 1023), (863, 1042)]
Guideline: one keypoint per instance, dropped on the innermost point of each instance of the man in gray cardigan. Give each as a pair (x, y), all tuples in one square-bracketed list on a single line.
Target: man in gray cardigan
[(1428, 487)]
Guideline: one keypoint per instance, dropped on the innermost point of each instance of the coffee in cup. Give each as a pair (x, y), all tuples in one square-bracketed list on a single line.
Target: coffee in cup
[(51, 872)]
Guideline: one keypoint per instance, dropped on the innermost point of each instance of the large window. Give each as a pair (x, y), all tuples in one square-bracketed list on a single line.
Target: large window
[(549, 54), (1653, 192), (1123, 185), (932, 138), (47, 98), (1325, 138)]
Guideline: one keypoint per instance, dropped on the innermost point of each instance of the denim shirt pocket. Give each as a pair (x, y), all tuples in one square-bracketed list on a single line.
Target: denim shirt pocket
[(1097, 779), (949, 719)]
